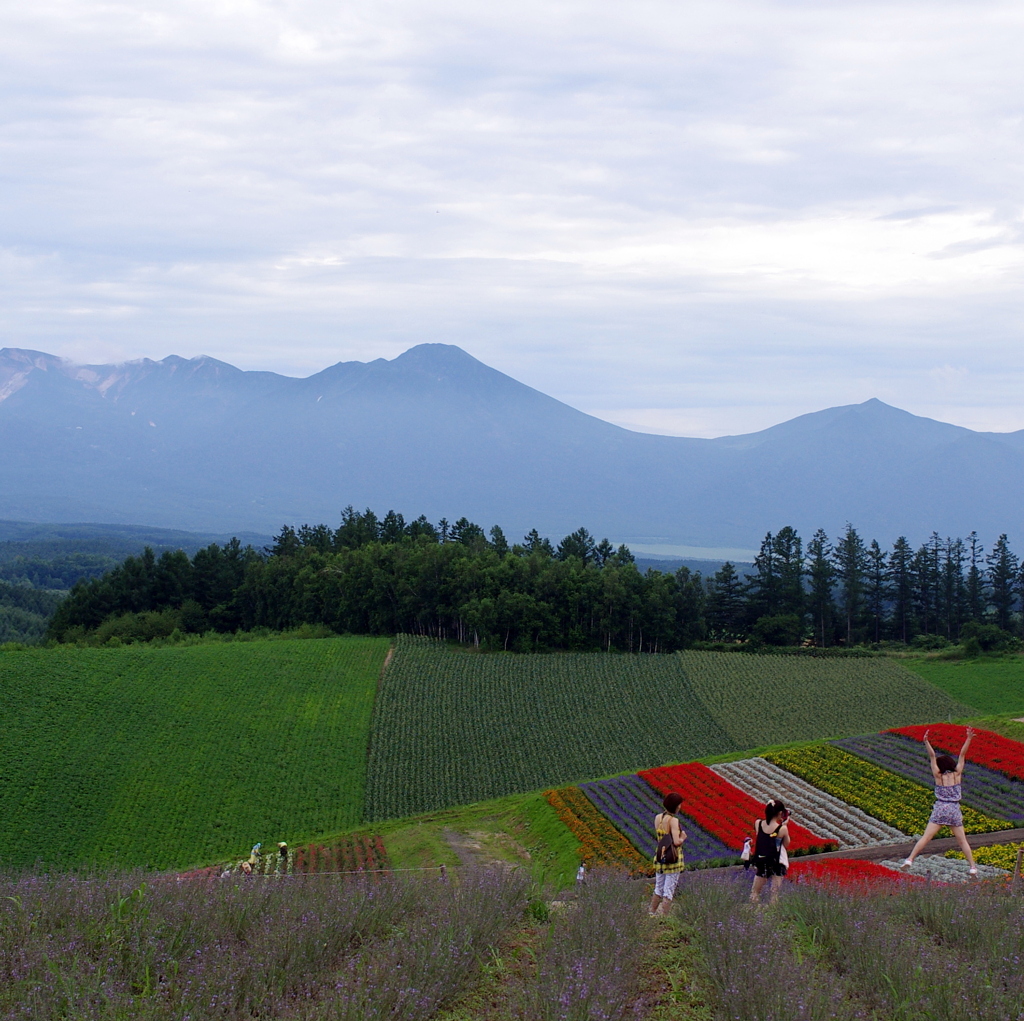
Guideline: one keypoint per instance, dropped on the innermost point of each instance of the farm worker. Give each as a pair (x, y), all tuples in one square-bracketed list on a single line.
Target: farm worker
[(282, 849), (770, 860), (668, 855), (246, 868), (254, 855), (948, 774)]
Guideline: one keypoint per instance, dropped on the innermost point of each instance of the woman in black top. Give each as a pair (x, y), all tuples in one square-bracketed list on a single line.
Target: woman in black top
[(771, 836)]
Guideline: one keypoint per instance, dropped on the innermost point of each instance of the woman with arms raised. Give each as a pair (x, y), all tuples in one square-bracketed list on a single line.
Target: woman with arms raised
[(948, 775)]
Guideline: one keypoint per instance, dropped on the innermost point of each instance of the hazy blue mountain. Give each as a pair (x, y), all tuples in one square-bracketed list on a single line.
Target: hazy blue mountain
[(199, 444)]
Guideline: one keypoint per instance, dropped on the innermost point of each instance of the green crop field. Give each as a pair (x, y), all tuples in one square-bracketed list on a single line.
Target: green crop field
[(762, 700), (993, 685), (175, 756), (453, 727)]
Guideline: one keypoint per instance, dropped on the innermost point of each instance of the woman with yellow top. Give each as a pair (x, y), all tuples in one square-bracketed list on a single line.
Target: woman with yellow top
[(666, 873)]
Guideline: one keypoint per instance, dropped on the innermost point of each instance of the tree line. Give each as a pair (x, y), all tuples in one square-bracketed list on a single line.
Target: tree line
[(375, 575)]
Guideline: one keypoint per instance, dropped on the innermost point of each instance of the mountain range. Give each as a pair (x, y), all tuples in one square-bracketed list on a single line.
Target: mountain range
[(199, 444)]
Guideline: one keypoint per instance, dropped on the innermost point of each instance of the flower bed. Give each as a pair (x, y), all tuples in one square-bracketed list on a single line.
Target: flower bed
[(819, 811), (987, 749), (358, 853), (845, 872), (992, 793), (722, 809), (630, 805), (885, 795), (1000, 856), (600, 842)]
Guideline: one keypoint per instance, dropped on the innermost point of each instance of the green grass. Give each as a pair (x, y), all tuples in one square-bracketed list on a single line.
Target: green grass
[(521, 829), (992, 685), (455, 727), (176, 756)]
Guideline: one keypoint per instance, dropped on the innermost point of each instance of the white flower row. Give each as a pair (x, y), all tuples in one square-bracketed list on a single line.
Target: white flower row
[(821, 813), (944, 870)]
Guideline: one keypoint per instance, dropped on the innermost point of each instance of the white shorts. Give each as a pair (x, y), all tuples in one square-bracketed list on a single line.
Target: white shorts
[(665, 884)]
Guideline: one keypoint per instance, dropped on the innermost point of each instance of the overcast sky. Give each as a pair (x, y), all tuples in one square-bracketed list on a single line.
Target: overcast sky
[(694, 218)]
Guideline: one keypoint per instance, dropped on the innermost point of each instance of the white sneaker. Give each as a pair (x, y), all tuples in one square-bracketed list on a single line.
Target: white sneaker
[(907, 863), (972, 871)]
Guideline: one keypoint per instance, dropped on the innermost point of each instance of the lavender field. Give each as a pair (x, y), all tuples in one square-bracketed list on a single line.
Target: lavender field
[(489, 946), (631, 804)]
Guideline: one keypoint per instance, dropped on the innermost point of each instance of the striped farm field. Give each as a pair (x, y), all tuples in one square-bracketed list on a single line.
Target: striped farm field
[(989, 749), (823, 813), (763, 700), (452, 726), (722, 808), (600, 842), (877, 791), (630, 804), (991, 793)]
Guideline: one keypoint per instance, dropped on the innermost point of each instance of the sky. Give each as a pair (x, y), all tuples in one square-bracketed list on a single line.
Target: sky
[(690, 218)]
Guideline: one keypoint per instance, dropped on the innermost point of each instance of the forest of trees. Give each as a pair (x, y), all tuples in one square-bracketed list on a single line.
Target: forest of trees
[(385, 575)]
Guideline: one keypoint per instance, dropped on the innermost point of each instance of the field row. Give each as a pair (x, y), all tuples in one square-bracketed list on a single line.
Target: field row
[(852, 792)]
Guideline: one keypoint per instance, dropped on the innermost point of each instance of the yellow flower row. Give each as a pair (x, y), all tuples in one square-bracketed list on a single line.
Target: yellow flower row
[(1000, 856), (885, 795)]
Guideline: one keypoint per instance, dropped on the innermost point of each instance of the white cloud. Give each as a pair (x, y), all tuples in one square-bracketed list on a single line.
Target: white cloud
[(655, 210)]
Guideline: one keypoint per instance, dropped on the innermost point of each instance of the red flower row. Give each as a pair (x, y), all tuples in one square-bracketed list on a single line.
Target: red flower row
[(987, 749), (845, 872), (721, 808)]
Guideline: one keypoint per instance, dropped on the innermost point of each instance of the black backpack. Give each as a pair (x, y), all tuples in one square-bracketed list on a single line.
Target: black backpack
[(666, 853)]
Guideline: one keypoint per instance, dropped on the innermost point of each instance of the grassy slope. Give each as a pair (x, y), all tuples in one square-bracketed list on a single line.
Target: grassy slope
[(454, 727), (175, 756), (993, 685)]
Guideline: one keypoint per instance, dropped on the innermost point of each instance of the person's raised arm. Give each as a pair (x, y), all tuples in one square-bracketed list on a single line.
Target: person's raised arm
[(931, 755), (963, 751), (784, 833)]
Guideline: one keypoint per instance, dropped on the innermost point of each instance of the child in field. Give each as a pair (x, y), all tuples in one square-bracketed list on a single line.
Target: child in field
[(771, 838), (667, 872), (948, 775)]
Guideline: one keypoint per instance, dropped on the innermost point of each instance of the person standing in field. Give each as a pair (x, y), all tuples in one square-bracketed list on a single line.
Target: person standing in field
[(668, 856), (771, 838), (948, 775)]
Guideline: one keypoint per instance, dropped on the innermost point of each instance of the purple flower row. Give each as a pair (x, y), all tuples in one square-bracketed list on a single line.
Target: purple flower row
[(984, 789), (630, 804)]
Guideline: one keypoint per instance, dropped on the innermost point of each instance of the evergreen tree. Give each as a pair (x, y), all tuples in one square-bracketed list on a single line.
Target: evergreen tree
[(789, 565), (579, 544), (1002, 580), (498, 541), (876, 587), (901, 589), (535, 544), (725, 605), (850, 562), (603, 552), (821, 573), (763, 585), (975, 578)]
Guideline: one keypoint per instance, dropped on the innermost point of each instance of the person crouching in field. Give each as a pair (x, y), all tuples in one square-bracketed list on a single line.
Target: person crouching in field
[(771, 838), (668, 855), (948, 775)]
